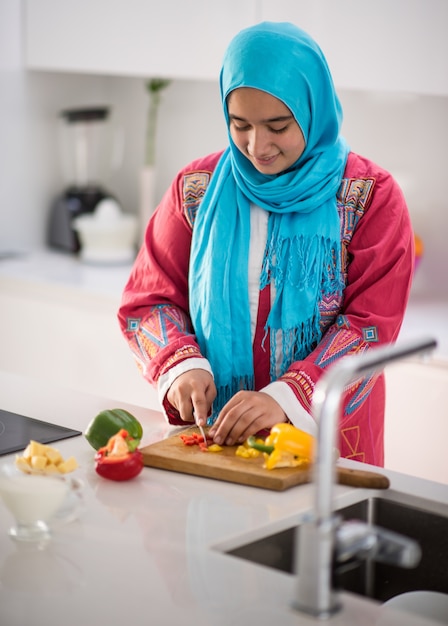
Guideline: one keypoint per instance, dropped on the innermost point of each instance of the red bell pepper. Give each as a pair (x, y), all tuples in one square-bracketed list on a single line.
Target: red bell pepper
[(119, 459)]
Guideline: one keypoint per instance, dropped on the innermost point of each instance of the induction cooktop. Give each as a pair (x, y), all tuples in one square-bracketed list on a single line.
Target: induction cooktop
[(16, 431)]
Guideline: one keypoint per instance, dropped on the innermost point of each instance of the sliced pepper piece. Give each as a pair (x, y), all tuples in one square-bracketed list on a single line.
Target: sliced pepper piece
[(194, 439), (280, 458), (259, 444), (214, 448), (119, 459), (245, 452)]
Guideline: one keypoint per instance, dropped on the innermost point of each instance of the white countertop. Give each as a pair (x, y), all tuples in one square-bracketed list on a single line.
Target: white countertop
[(142, 552)]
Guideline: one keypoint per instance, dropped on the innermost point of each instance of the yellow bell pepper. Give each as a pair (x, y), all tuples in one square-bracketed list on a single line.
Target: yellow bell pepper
[(288, 438), (285, 446)]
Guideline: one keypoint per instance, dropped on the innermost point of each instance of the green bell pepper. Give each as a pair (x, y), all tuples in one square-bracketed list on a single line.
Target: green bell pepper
[(108, 423)]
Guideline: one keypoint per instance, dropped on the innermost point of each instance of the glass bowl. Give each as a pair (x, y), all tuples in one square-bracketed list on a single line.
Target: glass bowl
[(33, 500)]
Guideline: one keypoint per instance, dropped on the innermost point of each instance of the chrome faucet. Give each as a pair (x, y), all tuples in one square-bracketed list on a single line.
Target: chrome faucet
[(322, 537)]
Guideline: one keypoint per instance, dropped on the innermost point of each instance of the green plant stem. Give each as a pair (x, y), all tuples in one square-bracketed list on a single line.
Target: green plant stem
[(154, 87), (154, 101)]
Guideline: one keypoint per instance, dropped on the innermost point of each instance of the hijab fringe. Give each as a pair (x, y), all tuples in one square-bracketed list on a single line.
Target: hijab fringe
[(301, 265), (296, 344)]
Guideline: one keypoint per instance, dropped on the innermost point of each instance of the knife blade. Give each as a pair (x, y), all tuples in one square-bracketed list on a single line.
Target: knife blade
[(201, 430)]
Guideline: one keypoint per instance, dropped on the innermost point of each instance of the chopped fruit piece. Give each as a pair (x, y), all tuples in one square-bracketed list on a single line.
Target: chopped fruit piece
[(40, 458), (68, 466)]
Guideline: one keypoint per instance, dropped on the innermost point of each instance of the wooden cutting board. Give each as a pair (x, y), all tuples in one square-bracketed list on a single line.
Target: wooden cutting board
[(172, 454)]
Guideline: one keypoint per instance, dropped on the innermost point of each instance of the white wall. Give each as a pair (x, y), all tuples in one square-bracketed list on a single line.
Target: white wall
[(408, 134), (12, 124), (405, 133)]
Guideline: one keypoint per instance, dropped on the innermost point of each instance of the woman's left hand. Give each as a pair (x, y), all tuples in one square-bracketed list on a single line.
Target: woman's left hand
[(245, 414)]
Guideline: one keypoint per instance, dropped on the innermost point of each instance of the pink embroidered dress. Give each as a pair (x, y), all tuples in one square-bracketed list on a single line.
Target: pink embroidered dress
[(377, 264)]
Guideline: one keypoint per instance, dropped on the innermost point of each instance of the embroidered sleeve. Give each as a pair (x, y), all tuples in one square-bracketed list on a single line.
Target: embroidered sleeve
[(160, 340), (378, 262)]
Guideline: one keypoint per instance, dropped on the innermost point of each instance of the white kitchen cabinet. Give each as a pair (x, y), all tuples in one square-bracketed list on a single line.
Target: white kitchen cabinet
[(390, 45), (173, 38), (387, 45)]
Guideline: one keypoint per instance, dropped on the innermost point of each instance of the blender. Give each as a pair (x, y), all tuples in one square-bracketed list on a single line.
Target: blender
[(85, 148)]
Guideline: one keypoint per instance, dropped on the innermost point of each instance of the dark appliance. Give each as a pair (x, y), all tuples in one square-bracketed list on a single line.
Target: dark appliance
[(16, 431), (85, 147)]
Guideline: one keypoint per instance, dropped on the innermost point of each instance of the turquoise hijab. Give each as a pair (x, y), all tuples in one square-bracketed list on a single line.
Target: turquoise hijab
[(302, 255)]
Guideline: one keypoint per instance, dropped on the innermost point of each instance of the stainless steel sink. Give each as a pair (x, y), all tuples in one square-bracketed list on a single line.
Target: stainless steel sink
[(367, 577)]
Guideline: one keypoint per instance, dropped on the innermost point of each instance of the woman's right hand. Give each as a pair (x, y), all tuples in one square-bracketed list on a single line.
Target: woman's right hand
[(193, 392)]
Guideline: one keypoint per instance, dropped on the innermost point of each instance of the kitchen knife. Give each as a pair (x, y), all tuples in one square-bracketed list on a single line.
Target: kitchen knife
[(201, 430)]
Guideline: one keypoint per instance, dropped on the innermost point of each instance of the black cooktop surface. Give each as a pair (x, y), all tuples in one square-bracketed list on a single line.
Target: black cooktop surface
[(16, 431)]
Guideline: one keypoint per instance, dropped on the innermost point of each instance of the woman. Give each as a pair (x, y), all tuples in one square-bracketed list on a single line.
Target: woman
[(266, 263)]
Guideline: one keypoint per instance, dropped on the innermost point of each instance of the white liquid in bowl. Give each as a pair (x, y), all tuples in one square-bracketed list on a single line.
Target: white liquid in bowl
[(32, 498)]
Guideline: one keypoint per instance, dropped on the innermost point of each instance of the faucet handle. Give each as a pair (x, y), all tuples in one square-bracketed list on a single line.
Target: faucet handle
[(356, 540)]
